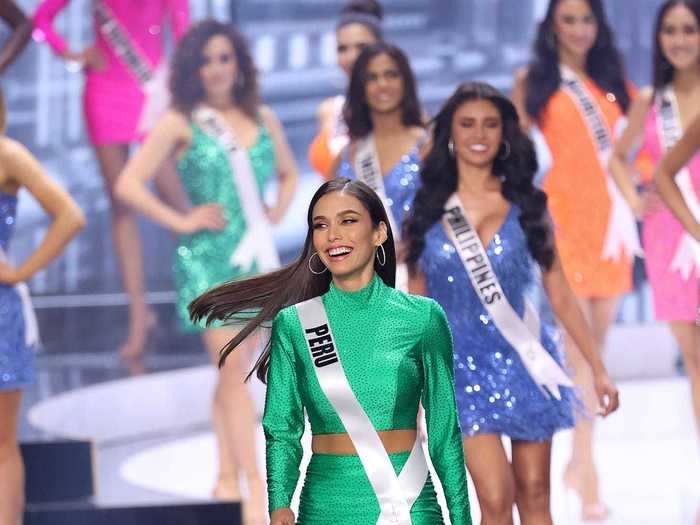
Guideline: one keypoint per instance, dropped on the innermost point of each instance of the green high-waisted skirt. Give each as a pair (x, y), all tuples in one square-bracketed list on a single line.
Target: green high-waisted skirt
[(336, 490)]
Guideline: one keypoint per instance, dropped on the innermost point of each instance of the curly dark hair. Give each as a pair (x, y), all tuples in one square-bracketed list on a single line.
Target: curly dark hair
[(185, 85), (439, 177), (663, 70), (603, 64), (356, 110)]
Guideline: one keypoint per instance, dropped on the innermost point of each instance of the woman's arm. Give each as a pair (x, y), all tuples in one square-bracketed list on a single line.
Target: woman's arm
[(90, 57), (283, 423), (21, 32), (619, 165), (672, 163), (171, 131), (287, 171), (444, 434), (569, 313), (67, 219), (43, 21)]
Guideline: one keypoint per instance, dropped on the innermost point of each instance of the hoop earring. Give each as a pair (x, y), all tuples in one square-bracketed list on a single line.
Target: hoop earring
[(451, 147), (551, 39), (382, 260), (506, 144), (325, 268)]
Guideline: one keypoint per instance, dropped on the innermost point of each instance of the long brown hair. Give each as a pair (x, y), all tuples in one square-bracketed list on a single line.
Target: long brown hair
[(185, 84), (269, 293)]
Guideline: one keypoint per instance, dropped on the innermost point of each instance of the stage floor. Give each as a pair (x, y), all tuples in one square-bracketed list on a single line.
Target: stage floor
[(154, 444)]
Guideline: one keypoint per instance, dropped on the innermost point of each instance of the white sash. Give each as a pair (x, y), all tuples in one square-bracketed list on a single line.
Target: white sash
[(154, 82), (622, 235), (368, 170), (686, 259), (395, 494), (31, 327), (338, 135), (257, 244), (523, 335)]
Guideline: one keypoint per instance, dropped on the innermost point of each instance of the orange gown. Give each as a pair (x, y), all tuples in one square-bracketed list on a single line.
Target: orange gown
[(578, 197)]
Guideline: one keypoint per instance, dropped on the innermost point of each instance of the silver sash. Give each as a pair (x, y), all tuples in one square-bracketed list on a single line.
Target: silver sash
[(395, 494), (31, 327), (686, 259), (621, 235), (257, 244), (368, 170), (522, 335), (153, 81)]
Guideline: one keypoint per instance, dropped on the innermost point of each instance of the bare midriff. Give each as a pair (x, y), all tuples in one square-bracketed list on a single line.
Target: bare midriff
[(393, 441)]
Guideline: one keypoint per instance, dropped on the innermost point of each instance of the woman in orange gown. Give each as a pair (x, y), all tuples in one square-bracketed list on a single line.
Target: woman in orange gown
[(575, 92), (358, 27)]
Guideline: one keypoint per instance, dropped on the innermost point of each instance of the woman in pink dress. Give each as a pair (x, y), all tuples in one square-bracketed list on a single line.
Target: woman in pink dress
[(659, 117), (120, 68)]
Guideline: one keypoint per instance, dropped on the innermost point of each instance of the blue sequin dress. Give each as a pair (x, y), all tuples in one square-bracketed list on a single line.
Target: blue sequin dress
[(495, 393), (16, 358), (401, 183)]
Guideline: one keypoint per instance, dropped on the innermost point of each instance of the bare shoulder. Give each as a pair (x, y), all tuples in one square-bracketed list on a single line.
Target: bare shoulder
[(326, 108), (13, 153), (268, 116), (646, 94)]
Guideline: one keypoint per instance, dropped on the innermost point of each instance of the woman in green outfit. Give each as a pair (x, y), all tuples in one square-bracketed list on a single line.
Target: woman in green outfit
[(227, 147), (357, 356)]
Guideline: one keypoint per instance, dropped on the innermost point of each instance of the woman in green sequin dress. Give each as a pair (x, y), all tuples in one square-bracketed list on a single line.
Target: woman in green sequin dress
[(395, 350), (213, 72)]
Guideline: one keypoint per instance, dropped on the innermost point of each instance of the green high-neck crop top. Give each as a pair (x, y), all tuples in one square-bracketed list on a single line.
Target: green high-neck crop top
[(396, 350)]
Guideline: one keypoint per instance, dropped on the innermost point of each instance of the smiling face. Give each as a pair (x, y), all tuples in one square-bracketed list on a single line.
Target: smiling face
[(576, 28), (477, 132), (679, 38), (351, 40), (383, 84), (344, 236), (219, 67)]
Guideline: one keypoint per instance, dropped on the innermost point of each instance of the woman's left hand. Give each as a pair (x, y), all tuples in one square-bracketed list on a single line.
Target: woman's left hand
[(608, 395), (8, 273)]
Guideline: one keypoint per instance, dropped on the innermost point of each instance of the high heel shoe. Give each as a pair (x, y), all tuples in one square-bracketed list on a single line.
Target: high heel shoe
[(135, 345), (592, 512), (226, 489)]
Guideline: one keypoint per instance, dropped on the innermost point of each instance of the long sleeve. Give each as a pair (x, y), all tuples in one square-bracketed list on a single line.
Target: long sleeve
[(43, 22), (444, 434), (283, 420), (179, 17)]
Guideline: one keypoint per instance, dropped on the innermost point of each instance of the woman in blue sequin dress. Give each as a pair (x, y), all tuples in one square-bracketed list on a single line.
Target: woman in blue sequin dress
[(18, 169), (382, 107), (213, 75), (480, 155)]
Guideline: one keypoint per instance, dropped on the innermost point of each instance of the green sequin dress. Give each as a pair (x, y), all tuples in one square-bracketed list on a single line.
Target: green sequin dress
[(396, 350), (202, 259)]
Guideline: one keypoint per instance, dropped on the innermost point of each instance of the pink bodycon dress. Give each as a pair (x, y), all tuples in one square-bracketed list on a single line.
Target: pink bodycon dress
[(113, 98), (675, 298)]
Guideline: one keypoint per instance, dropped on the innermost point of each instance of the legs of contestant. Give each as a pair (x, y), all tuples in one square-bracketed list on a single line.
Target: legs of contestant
[(531, 466), (493, 478), (235, 424), (127, 245), (11, 467), (500, 484), (581, 474)]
